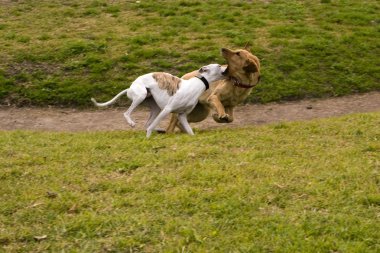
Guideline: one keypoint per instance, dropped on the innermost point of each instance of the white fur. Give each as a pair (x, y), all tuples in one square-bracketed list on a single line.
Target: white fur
[(182, 102)]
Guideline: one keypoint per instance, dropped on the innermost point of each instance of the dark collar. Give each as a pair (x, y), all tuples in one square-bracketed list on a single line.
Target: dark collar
[(204, 80), (237, 83)]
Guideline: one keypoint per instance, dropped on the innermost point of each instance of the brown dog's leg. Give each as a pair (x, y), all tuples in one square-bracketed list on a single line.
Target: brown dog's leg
[(221, 116), (173, 123), (217, 105), (230, 113), (199, 113)]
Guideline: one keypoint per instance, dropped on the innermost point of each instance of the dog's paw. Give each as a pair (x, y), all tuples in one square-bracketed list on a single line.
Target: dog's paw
[(160, 131), (148, 132), (227, 118), (132, 124), (222, 118)]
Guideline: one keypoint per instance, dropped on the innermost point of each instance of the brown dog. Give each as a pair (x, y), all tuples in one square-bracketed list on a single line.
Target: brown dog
[(243, 74)]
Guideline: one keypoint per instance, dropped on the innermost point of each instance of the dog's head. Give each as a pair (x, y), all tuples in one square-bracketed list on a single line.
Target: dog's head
[(213, 72), (241, 63)]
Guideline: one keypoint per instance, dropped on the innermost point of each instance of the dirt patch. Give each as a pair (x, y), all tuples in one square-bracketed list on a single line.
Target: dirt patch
[(54, 119), (31, 67)]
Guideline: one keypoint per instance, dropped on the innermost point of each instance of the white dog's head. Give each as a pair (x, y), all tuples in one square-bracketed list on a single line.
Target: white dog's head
[(213, 72)]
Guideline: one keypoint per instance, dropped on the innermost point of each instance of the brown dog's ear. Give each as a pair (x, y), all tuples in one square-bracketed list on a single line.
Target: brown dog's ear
[(250, 67), (247, 47)]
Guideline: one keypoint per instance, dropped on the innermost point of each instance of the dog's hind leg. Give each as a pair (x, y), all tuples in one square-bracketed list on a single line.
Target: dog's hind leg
[(173, 123), (137, 98), (127, 114), (154, 110), (182, 117)]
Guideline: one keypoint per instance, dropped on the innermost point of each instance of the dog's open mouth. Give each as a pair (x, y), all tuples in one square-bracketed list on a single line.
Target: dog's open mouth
[(225, 72)]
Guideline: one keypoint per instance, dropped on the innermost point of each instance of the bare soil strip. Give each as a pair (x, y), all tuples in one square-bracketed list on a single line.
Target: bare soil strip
[(73, 120)]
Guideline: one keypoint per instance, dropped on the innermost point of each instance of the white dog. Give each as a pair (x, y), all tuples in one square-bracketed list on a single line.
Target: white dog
[(170, 94)]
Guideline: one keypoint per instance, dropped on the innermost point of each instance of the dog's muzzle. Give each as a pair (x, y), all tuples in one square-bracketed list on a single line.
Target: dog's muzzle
[(225, 72)]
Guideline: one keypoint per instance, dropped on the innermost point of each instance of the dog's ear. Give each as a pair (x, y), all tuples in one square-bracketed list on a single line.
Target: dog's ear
[(203, 70), (250, 67), (247, 47)]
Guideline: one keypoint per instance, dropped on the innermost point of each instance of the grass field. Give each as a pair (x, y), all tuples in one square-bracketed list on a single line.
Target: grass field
[(289, 187), (64, 52)]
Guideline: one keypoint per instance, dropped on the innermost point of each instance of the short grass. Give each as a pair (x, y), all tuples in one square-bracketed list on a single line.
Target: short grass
[(289, 187), (64, 52)]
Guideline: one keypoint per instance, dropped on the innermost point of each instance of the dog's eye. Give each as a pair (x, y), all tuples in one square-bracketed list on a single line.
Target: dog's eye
[(238, 53)]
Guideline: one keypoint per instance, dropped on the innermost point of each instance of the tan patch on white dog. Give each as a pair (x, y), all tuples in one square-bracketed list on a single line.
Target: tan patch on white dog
[(167, 82)]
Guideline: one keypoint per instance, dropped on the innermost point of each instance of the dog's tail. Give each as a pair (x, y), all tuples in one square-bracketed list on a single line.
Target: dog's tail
[(111, 101)]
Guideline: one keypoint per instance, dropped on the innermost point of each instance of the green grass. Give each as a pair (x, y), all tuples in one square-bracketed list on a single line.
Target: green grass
[(63, 53), (289, 187)]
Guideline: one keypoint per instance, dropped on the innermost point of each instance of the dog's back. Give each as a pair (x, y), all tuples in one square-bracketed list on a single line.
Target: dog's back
[(162, 86), (166, 88), (168, 82)]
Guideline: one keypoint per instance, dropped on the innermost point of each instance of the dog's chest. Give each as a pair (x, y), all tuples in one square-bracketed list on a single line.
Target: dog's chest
[(235, 96), (188, 94)]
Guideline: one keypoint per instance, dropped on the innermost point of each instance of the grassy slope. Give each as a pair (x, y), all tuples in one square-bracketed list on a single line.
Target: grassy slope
[(294, 187), (63, 52)]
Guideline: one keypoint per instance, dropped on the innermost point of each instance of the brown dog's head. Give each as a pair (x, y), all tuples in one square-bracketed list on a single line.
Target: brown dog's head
[(242, 64)]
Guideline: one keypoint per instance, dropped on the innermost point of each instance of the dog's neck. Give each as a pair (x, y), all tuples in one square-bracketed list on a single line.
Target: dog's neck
[(241, 84), (204, 80)]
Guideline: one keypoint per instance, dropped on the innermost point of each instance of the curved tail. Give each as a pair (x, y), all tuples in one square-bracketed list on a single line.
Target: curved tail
[(111, 101)]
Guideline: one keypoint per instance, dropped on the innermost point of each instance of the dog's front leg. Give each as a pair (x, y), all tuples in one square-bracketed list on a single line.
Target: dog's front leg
[(230, 113), (185, 124), (221, 116), (165, 112)]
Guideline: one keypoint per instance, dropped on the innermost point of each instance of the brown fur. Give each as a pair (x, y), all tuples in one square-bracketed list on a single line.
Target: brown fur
[(223, 95), (167, 82)]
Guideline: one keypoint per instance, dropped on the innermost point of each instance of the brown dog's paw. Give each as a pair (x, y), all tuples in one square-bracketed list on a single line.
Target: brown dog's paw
[(160, 131), (223, 118)]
